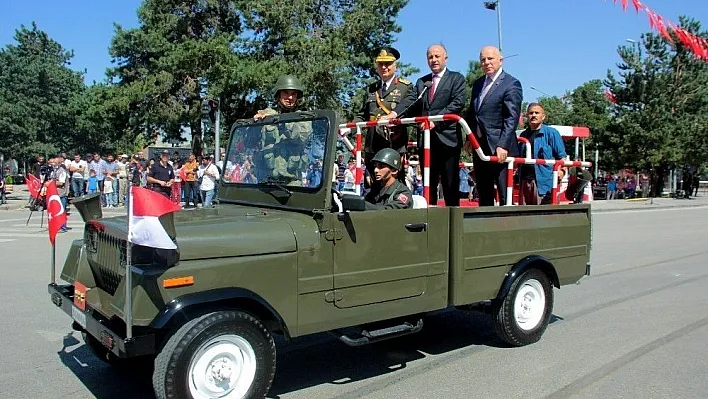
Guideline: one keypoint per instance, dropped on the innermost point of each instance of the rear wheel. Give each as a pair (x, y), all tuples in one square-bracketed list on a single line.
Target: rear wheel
[(226, 354), (522, 316)]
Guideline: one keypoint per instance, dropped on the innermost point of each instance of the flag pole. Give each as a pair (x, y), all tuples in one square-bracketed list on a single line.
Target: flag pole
[(129, 263), (52, 274)]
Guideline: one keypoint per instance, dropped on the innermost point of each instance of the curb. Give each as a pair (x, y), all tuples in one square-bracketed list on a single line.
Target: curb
[(648, 207)]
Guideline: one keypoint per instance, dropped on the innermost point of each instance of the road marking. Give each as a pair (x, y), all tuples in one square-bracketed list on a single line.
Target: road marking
[(581, 383), (6, 240), (677, 208)]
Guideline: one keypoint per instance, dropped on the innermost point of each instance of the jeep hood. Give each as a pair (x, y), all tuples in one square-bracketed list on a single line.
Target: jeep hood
[(205, 234)]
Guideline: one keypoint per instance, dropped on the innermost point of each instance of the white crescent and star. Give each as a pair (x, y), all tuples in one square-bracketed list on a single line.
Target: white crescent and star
[(58, 200)]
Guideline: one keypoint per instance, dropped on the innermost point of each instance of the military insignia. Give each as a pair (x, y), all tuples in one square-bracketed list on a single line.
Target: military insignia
[(383, 53), (403, 198), (396, 92), (393, 105), (404, 81)]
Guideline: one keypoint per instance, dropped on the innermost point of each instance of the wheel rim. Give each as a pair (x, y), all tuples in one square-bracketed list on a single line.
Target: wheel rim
[(224, 367), (529, 304)]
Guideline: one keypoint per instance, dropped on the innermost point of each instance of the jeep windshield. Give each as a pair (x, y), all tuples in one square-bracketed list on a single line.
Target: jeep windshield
[(280, 152)]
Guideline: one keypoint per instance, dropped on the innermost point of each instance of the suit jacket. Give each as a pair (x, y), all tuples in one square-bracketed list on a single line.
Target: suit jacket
[(449, 99), (497, 115)]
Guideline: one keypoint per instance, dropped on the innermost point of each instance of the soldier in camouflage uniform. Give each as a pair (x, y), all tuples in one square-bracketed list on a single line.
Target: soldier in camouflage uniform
[(387, 192), (382, 96), (284, 147)]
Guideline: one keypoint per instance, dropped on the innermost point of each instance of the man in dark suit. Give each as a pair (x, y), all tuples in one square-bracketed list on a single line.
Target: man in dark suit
[(493, 116), (446, 95)]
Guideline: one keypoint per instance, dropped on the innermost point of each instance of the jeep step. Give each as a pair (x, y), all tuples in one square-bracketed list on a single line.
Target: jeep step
[(365, 337)]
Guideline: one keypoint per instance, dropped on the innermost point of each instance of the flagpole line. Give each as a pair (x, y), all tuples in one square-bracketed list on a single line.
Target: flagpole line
[(53, 272), (128, 311)]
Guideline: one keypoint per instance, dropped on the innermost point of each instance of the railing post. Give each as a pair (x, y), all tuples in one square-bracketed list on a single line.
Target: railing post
[(509, 183), (426, 161), (359, 171)]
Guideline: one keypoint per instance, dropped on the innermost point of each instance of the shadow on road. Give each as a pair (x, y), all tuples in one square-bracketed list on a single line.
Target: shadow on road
[(306, 362)]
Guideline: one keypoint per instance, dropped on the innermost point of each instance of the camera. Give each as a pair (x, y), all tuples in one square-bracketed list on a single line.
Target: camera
[(46, 171)]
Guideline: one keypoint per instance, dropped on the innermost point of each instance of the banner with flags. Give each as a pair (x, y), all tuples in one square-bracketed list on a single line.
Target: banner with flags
[(33, 185), (694, 43), (144, 228), (55, 211)]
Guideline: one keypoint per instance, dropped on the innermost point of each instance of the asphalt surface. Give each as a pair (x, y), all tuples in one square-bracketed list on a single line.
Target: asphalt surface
[(635, 329)]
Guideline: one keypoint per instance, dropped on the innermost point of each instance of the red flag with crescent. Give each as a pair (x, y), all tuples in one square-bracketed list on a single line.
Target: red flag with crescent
[(55, 211), (33, 185)]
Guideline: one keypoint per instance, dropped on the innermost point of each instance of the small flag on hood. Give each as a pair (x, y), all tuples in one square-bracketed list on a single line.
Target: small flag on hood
[(144, 227)]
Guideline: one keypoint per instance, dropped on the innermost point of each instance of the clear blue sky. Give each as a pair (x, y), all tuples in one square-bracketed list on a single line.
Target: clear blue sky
[(561, 43)]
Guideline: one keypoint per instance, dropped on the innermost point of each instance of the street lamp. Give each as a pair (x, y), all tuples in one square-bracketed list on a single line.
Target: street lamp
[(496, 5), (542, 92)]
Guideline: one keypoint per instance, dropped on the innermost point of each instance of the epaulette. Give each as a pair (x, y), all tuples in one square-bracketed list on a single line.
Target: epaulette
[(404, 81)]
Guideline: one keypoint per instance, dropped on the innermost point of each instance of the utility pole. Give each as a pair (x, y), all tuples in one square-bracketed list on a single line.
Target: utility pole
[(496, 6)]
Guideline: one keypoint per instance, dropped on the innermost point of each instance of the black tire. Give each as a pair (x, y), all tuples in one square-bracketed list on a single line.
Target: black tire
[(517, 332), (172, 379)]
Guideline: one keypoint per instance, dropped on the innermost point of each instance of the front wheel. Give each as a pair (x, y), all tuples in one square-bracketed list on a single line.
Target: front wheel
[(521, 317), (227, 354)]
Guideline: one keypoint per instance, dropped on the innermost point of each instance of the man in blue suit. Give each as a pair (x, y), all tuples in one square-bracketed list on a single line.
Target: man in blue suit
[(445, 94), (493, 116)]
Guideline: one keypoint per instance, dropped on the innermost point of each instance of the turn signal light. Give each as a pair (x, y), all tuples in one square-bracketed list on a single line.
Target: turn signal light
[(178, 282)]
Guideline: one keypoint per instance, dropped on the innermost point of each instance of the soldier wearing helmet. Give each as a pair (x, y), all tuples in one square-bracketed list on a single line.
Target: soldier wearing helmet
[(288, 92), (388, 192)]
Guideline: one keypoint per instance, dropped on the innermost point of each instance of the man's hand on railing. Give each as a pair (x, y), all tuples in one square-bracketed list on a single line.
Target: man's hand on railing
[(501, 154)]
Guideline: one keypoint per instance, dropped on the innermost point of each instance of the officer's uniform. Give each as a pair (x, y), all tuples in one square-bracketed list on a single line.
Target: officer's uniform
[(379, 103), (395, 196)]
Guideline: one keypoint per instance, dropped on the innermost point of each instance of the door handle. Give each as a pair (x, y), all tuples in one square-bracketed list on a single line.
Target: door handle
[(416, 227)]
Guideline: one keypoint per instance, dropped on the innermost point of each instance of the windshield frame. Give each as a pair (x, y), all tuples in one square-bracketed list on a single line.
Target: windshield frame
[(272, 194)]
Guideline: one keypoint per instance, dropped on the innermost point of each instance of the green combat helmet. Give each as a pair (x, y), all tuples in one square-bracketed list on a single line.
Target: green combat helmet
[(390, 157), (288, 82)]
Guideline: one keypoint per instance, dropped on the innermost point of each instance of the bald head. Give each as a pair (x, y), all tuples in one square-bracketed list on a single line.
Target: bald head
[(491, 60), (437, 57)]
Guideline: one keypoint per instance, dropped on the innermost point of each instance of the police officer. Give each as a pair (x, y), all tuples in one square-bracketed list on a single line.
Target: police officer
[(383, 96), (388, 192), (160, 176)]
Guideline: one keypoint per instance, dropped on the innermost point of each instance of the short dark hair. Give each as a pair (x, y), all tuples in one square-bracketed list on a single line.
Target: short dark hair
[(535, 105)]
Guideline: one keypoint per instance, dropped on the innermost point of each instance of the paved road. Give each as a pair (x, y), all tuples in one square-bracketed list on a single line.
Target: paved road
[(635, 329)]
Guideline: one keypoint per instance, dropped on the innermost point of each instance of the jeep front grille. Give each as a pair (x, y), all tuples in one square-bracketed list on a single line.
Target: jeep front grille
[(107, 258)]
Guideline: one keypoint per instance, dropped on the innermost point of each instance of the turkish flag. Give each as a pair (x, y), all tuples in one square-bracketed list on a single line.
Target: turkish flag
[(33, 185), (144, 227), (55, 211)]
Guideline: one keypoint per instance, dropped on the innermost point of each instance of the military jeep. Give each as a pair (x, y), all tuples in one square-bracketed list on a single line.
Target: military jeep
[(284, 254)]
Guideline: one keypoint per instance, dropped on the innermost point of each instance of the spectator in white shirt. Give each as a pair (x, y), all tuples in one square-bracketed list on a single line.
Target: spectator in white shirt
[(77, 167), (209, 174)]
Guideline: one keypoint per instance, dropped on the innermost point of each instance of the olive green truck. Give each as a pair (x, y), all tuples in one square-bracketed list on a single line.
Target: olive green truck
[(285, 253)]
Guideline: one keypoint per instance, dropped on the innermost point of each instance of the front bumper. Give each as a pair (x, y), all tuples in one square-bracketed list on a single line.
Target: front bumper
[(94, 325)]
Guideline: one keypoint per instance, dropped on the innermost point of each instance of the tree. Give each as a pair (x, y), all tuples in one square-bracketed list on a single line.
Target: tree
[(36, 88), (661, 113), (185, 51)]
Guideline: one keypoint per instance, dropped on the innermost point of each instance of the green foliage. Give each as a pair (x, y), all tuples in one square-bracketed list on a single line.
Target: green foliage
[(36, 88), (186, 51)]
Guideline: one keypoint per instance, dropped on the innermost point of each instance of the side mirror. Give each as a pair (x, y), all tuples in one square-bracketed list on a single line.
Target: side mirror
[(353, 202), (89, 206)]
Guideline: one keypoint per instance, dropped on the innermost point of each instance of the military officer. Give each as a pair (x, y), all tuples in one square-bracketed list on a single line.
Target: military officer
[(388, 192), (381, 97)]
